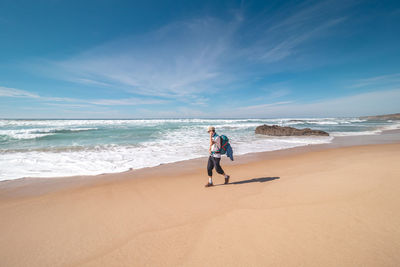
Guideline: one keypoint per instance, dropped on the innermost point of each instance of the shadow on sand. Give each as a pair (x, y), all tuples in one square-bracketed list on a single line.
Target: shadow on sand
[(255, 180)]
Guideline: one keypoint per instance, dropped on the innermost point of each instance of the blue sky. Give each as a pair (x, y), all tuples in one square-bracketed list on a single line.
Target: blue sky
[(208, 59)]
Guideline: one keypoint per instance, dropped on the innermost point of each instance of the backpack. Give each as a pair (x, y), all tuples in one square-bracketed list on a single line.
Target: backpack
[(224, 144)]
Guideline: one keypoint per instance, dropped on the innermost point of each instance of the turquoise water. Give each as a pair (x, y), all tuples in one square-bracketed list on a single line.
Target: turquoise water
[(51, 148)]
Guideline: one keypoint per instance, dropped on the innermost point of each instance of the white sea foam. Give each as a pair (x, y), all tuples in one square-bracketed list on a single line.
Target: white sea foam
[(23, 134), (33, 133), (175, 146), (374, 132), (394, 126)]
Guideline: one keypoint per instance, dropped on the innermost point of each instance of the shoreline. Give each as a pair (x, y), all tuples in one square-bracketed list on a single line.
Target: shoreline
[(41, 185), (54, 164), (338, 141)]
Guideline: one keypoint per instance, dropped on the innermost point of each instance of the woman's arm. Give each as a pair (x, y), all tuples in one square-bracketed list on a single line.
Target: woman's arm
[(211, 139), (211, 142)]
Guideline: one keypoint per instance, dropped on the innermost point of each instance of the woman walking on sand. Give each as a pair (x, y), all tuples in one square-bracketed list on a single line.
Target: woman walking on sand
[(215, 157)]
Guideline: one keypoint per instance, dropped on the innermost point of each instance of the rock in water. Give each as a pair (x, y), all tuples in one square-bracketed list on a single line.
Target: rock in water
[(276, 130)]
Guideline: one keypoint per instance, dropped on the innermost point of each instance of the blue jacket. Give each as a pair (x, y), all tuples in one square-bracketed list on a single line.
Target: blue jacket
[(229, 151)]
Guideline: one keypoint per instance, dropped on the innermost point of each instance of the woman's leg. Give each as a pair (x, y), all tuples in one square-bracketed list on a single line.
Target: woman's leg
[(218, 167), (210, 166)]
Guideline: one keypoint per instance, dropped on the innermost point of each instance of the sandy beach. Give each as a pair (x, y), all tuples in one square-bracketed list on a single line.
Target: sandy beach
[(110, 112), (328, 207)]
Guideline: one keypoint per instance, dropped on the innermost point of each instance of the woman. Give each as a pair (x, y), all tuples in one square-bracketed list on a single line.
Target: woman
[(215, 157)]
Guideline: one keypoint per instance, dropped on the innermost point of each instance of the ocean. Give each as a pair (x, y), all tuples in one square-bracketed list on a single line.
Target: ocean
[(54, 148)]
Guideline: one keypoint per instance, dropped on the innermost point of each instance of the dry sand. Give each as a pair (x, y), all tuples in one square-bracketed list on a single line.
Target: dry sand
[(333, 207)]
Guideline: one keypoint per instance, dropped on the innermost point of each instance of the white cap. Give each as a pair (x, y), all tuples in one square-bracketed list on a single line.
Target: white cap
[(210, 128)]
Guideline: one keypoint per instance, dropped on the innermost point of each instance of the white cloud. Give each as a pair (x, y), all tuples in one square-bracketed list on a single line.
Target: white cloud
[(263, 106), (92, 82), (306, 13), (179, 112), (279, 50), (282, 34), (179, 60), (67, 105), (377, 80), (12, 92), (277, 93), (17, 93), (377, 102), (126, 102)]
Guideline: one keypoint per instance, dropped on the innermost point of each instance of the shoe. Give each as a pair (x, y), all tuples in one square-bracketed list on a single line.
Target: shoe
[(227, 179), (209, 185)]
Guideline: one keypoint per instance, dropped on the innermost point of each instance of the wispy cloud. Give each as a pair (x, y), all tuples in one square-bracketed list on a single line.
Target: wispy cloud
[(263, 106), (376, 102), (91, 82), (292, 26), (305, 13), (377, 80), (178, 60), (278, 93), (178, 112), (17, 93), (68, 105), (126, 102), (286, 47), (12, 92)]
